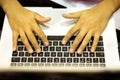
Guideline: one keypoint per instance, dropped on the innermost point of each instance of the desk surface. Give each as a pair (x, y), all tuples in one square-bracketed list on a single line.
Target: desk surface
[(54, 76)]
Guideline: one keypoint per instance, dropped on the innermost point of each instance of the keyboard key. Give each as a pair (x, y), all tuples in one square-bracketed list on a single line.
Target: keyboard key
[(82, 65), (27, 54), (34, 64), (95, 60), (15, 59), (99, 49), (41, 64), (95, 65), (55, 43), (30, 59), (20, 43), (85, 54), (36, 59), (82, 60), (20, 64), (66, 54), (47, 65), (52, 48), (69, 60), (88, 65), (45, 48), (15, 53), (49, 60), (56, 60), (47, 54), (91, 54), (62, 60), (20, 48), (89, 60), (72, 54), (53, 54), (68, 44), (27, 64), (75, 60), (64, 48), (102, 65), (34, 54), (98, 54), (79, 55), (21, 53), (68, 65), (43, 60), (102, 60), (100, 43), (23, 59), (58, 48), (40, 54), (13, 64), (59, 54)]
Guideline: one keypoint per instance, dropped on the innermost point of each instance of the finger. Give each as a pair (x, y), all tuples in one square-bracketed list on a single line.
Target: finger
[(77, 40), (33, 40), (25, 41), (71, 32), (41, 18), (73, 15), (84, 42), (41, 34), (95, 42), (69, 35), (15, 39)]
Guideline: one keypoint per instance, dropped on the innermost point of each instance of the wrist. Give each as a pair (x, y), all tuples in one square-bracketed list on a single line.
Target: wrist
[(9, 5), (108, 7)]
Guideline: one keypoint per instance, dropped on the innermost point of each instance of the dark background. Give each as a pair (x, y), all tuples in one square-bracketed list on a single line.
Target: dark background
[(54, 76)]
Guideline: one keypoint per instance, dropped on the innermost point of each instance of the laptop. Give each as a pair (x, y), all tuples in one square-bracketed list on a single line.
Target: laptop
[(55, 57)]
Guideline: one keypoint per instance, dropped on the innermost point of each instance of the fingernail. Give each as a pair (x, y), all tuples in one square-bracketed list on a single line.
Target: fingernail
[(79, 52), (30, 51), (14, 49), (71, 51), (63, 42), (38, 50), (92, 50), (46, 43)]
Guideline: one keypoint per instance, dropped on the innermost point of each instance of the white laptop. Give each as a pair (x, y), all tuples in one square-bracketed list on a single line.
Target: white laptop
[(55, 57)]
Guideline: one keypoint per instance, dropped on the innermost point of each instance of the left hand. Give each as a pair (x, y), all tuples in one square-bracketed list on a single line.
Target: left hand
[(91, 22)]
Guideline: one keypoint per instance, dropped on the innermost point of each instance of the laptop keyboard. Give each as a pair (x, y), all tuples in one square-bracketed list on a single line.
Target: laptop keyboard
[(56, 54)]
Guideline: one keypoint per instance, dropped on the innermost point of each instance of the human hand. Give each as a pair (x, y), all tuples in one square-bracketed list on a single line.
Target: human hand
[(23, 22), (91, 22)]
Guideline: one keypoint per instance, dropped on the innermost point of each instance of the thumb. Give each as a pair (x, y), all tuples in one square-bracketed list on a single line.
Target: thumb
[(41, 19), (73, 15)]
